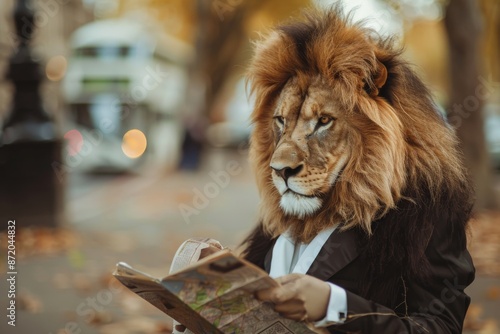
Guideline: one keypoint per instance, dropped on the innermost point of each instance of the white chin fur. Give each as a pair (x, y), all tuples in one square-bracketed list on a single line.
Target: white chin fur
[(299, 206)]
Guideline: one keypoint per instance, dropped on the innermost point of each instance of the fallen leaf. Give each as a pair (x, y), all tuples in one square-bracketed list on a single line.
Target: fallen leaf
[(483, 243), (29, 302), (472, 318), (101, 317), (82, 283), (76, 258), (490, 326), (36, 241), (163, 327), (493, 293)]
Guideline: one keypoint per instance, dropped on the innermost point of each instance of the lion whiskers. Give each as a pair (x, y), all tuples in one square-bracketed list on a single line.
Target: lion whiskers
[(334, 175), (279, 183)]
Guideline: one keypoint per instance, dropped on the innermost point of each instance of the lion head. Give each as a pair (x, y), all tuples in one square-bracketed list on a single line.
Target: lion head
[(344, 130)]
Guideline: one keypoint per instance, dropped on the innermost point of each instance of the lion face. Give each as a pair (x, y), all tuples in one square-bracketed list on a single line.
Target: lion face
[(343, 129), (311, 146)]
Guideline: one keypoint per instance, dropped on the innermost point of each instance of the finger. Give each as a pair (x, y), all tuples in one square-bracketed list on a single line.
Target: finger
[(292, 306), (288, 278), (278, 295), (266, 294), (297, 316), (286, 292), (271, 295)]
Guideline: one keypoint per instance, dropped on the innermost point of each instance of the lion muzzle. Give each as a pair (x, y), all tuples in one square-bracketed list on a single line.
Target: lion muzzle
[(286, 161)]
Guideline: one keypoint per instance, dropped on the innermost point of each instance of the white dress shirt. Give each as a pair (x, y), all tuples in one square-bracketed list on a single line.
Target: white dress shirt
[(290, 257)]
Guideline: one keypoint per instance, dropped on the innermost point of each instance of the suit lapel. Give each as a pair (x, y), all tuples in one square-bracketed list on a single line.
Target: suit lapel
[(337, 252), (269, 257)]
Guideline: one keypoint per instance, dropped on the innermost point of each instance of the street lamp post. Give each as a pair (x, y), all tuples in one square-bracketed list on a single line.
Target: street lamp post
[(30, 191)]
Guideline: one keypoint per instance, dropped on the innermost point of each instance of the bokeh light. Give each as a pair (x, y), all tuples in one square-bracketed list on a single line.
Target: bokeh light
[(75, 141), (134, 143), (56, 68)]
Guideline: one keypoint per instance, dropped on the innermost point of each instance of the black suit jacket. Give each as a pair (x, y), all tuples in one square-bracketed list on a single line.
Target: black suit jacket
[(437, 304)]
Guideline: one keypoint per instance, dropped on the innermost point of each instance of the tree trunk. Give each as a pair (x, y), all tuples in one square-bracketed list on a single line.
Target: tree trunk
[(469, 91), (219, 36)]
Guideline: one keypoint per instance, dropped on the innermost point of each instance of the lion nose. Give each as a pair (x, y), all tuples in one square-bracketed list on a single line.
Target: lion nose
[(287, 172)]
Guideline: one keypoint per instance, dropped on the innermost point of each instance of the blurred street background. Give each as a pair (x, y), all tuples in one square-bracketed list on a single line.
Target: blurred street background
[(124, 131)]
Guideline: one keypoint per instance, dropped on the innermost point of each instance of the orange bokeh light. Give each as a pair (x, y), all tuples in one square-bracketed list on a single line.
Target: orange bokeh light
[(56, 68), (134, 143)]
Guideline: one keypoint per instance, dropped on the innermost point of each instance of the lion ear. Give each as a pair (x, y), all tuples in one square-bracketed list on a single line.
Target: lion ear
[(381, 75), (373, 85)]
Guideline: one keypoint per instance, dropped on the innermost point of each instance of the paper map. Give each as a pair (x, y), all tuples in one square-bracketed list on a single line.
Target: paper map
[(214, 295)]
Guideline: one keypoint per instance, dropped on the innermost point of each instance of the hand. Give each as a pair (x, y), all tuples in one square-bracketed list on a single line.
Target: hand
[(214, 246), (299, 297)]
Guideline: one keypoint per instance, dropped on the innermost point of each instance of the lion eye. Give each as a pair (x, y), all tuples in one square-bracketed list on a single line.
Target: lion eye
[(280, 120), (324, 120)]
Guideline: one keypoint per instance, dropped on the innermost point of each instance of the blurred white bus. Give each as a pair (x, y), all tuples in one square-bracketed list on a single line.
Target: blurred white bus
[(492, 132), (118, 80)]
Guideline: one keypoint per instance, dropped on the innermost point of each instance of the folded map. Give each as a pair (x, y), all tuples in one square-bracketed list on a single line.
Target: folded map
[(213, 295)]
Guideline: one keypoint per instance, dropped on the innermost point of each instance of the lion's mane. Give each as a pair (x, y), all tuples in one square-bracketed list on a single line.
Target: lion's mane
[(405, 174)]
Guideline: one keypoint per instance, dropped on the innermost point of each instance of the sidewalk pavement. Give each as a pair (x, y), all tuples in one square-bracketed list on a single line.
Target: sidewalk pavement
[(64, 283)]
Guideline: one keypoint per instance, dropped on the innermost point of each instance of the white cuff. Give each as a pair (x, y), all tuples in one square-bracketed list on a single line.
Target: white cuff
[(337, 307)]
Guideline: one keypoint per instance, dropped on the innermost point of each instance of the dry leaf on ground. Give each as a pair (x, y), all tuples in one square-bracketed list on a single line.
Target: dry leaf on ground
[(493, 293), (32, 241), (29, 302), (484, 243)]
